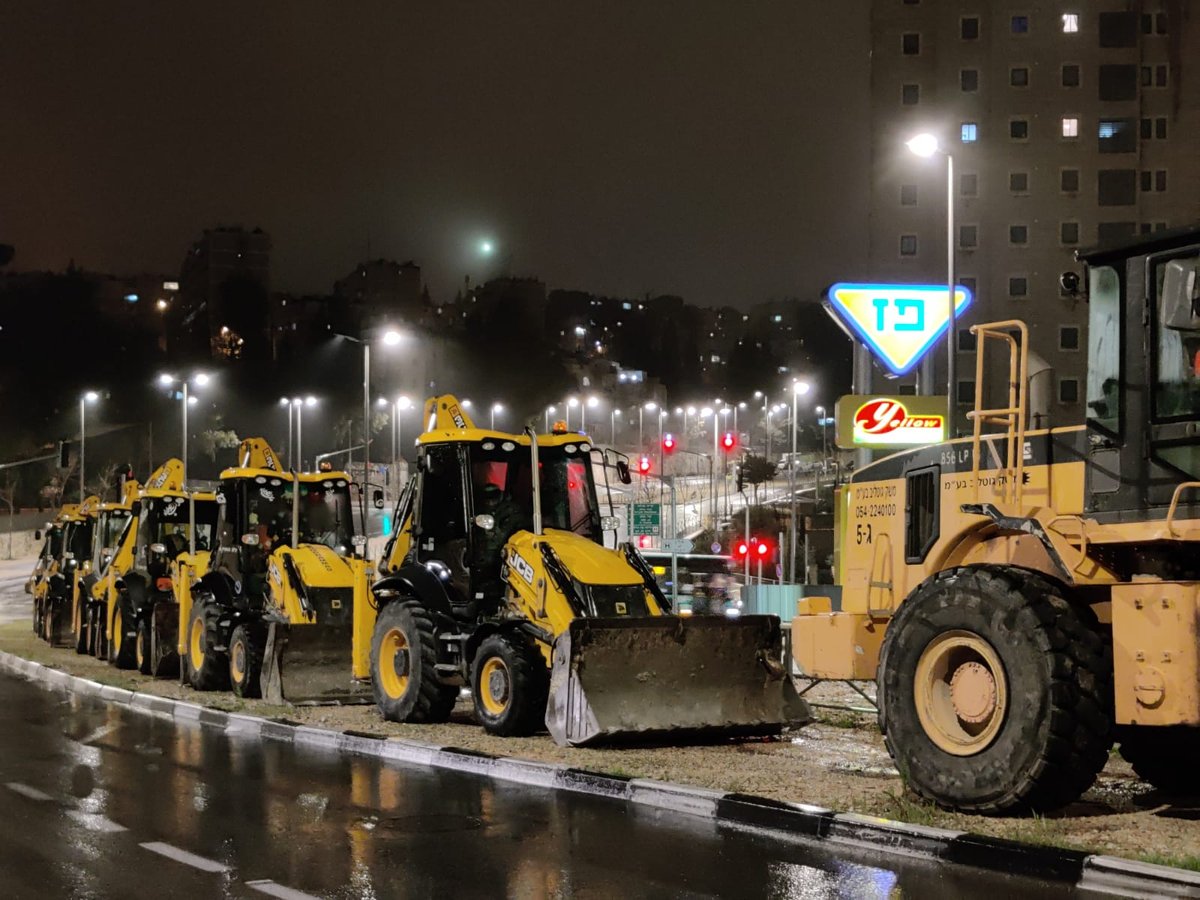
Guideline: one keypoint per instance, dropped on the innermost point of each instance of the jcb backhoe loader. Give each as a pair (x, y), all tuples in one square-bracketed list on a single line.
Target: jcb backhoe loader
[(276, 611), (111, 519), (496, 577), (140, 619), (51, 579), (1024, 597)]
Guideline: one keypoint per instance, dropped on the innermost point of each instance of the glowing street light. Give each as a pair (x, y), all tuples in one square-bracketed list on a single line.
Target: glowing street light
[(924, 144), (496, 407), (199, 379)]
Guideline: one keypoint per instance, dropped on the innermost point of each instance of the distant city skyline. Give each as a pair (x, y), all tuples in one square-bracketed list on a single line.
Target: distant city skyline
[(623, 150)]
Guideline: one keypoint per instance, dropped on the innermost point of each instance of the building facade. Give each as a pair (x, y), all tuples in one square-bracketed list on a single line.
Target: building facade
[(1069, 123)]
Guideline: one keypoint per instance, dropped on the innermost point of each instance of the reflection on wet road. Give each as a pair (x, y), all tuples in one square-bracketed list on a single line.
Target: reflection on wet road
[(101, 801)]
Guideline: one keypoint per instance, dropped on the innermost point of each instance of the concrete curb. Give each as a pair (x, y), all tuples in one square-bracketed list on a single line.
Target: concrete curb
[(1104, 874)]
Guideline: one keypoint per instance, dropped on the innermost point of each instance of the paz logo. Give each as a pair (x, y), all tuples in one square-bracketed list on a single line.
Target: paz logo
[(898, 322), (886, 421)]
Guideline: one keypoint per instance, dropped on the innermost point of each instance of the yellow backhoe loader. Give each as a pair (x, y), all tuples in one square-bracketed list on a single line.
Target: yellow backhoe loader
[(497, 577), (72, 532), (276, 611), (139, 616), (111, 518), (1026, 596)]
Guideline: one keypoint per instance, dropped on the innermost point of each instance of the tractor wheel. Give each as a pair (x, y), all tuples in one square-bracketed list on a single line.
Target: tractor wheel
[(207, 669), (82, 622), (144, 660), (245, 661), (404, 666), (510, 685), (122, 644), (164, 640), (1165, 756), (995, 692)]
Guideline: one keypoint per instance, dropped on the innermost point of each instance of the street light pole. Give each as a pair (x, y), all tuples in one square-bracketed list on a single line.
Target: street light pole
[(82, 444), (185, 429)]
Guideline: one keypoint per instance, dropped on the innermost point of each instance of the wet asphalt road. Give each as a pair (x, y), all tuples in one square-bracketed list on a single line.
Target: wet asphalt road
[(101, 801)]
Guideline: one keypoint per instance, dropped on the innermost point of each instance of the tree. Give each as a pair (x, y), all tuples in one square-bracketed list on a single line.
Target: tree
[(756, 470)]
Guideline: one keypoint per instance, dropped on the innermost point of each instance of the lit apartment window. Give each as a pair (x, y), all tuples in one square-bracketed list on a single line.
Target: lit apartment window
[(1018, 129), (1069, 232), (1020, 24), (968, 237), (908, 247), (968, 80), (1070, 26), (1070, 129), (1070, 75), (908, 195), (910, 95), (1018, 234), (1018, 76), (1069, 181), (1018, 286), (1018, 182), (1068, 390), (1068, 337), (968, 184), (970, 134), (910, 45), (969, 28)]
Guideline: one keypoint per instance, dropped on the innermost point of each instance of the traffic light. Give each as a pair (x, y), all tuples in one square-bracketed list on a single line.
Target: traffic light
[(644, 465), (741, 549), (741, 477), (643, 541), (762, 550), (728, 442), (64, 455), (668, 443)]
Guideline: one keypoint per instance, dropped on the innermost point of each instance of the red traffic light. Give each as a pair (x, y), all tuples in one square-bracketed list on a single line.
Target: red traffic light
[(668, 443), (643, 541), (740, 549), (728, 441), (644, 465), (762, 549)]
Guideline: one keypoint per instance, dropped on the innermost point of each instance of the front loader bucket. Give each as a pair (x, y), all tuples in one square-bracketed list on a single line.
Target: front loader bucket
[(669, 678), (310, 664)]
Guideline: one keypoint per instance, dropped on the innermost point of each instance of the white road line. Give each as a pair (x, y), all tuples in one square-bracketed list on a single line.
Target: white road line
[(95, 821), (271, 889), (97, 734), (26, 791), (188, 859)]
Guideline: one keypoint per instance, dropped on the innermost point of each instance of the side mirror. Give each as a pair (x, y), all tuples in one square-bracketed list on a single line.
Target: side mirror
[(623, 472), (250, 540), (162, 548), (484, 521), (1179, 301), (37, 535), (377, 499)]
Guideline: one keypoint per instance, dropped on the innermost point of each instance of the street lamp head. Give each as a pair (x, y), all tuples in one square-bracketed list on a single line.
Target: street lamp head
[(551, 409), (91, 396), (161, 304), (742, 405), (200, 379), (800, 388), (382, 401), (820, 410), (284, 401), (497, 407), (758, 395), (572, 402), (487, 248), (403, 402), (467, 404), (310, 401), (392, 337), (193, 400), (924, 144), (706, 412), (617, 413), (691, 410), (166, 380), (650, 406), (593, 402)]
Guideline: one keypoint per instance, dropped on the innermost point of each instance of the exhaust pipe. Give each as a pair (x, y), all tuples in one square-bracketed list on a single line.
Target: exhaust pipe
[(536, 480)]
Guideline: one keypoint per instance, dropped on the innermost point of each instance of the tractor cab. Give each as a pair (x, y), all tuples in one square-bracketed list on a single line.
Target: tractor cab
[(1143, 380), (165, 529)]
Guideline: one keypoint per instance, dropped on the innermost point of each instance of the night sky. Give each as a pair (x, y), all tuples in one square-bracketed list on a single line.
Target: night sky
[(710, 148)]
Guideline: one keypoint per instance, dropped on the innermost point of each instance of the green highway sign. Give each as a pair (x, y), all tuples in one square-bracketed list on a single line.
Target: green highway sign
[(645, 518)]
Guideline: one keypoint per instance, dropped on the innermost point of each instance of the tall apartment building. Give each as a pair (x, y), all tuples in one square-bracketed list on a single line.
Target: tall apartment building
[(1070, 124)]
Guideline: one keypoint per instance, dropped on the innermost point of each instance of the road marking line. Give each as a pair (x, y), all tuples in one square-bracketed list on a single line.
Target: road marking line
[(106, 729), (26, 791), (188, 859), (270, 888), (95, 821)]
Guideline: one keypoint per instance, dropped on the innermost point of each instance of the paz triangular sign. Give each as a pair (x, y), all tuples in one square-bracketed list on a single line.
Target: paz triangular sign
[(898, 322)]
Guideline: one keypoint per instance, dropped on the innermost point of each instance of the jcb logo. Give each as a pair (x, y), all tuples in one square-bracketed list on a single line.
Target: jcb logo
[(524, 569)]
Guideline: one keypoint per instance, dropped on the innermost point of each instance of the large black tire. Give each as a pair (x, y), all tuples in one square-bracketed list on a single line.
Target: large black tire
[(1030, 737), (145, 661), (404, 666), (207, 668), (510, 685), (1164, 756), (246, 646), (122, 643)]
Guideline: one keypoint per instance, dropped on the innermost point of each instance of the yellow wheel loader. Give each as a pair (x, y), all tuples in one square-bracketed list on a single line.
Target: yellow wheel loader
[(1026, 596), (139, 618), (111, 519), (496, 577), (52, 575), (275, 612)]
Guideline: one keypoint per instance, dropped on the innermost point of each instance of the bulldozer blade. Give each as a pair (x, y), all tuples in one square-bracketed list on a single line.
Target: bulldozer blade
[(670, 679), (310, 664)]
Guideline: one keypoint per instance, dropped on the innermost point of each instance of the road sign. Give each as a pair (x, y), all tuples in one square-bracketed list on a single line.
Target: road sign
[(899, 323), (677, 545), (645, 518), (880, 422), (715, 547)]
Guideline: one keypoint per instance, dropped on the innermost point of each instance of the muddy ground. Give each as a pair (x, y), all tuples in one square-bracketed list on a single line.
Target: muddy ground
[(838, 762)]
